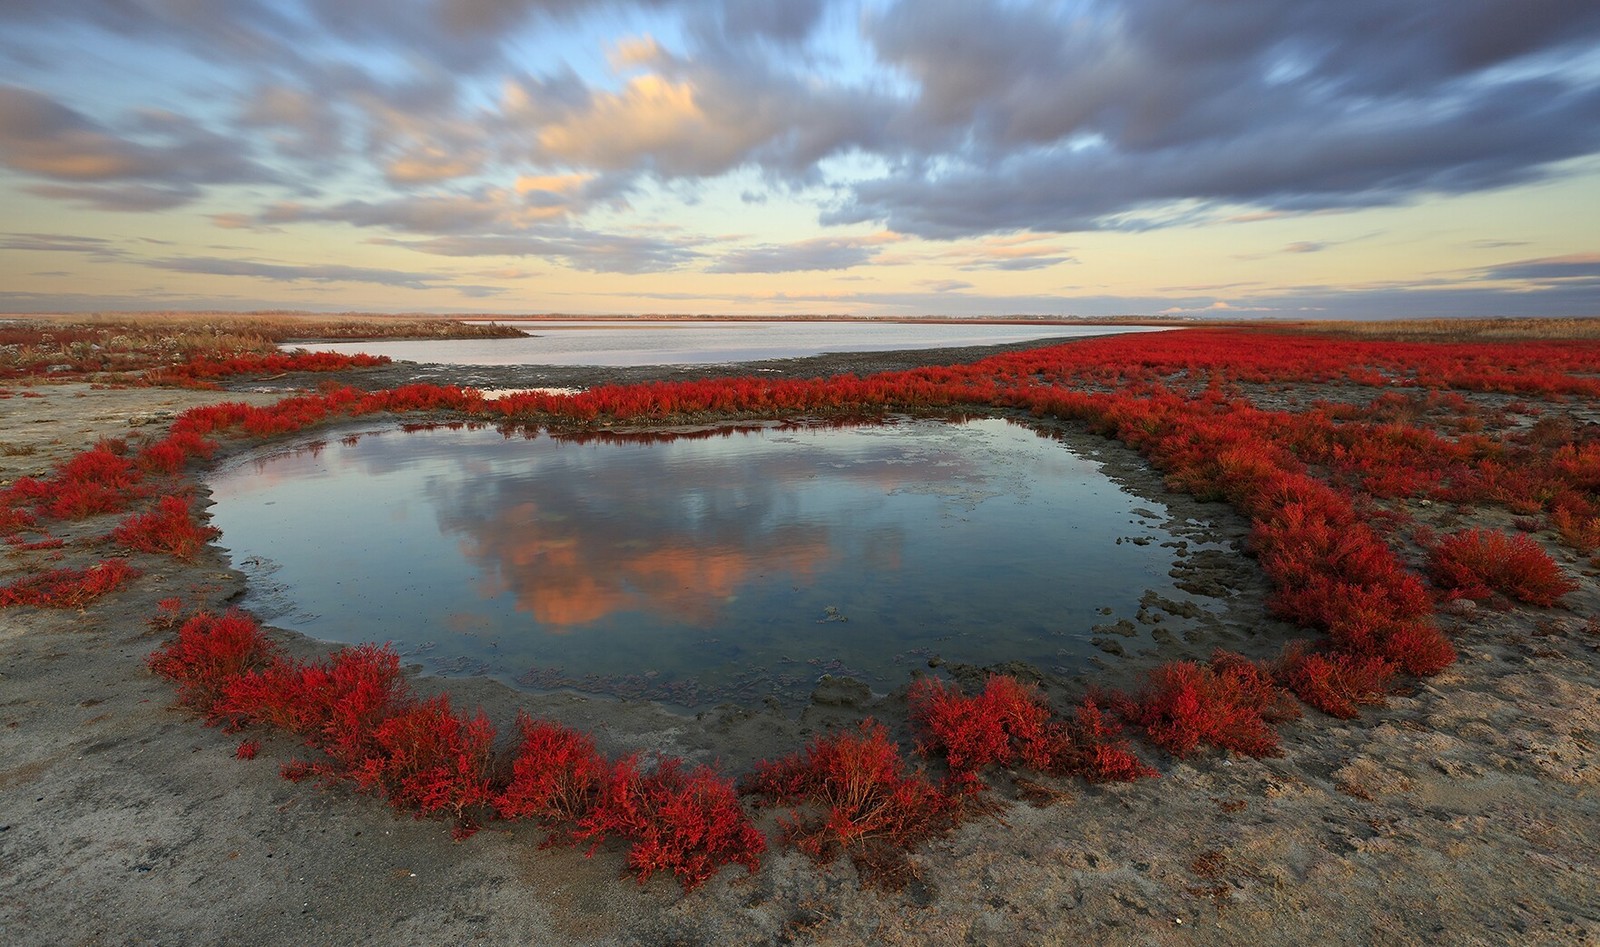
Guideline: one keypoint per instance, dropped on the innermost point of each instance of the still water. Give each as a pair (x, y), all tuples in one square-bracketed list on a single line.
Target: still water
[(702, 343), (730, 565)]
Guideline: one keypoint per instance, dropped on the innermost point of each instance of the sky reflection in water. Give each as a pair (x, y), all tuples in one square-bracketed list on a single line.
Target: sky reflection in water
[(703, 343), (695, 570)]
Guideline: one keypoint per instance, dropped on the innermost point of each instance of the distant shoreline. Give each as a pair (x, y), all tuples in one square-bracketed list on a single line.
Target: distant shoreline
[(897, 320)]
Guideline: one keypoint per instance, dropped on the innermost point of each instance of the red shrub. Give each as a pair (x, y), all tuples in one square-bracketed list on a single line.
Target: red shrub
[(24, 545), (337, 706), (690, 824), (1230, 703), (248, 749), (1476, 563), (1092, 747), (556, 777), (1334, 683), (68, 588), (1005, 722), (859, 798), (208, 654), (169, 529), (428, 759), (12, 520), (169, 455)]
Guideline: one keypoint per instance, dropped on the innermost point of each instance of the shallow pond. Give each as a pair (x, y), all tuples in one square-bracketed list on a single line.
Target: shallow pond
[(704, 343), (734, 564)]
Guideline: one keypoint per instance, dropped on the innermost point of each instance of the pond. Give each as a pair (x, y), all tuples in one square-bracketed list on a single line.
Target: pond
[(730, 564), (703, 343)]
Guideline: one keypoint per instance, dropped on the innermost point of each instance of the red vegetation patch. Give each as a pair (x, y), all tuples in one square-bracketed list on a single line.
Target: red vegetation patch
[(690, 824), (1316, 484), (1229, 703), (854, 794), (68, 588), (22, 544), (556, 778), (209, 653), (423, 757), (100, 480), (1477, 563), (170, 529), (1010, 724), (1093, 747), (196, 371), (1334, 683), (169, 455), (1005, 723), (427, 759)]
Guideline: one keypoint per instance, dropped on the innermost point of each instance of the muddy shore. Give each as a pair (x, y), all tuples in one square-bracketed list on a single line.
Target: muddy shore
[(1464, 813)]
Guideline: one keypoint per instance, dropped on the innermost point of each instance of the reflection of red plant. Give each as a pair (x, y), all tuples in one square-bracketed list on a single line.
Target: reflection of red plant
[(68, 588), (1477, 563)]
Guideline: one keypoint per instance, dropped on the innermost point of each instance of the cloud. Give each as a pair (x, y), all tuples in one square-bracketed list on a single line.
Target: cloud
[(1578, 267), (294, 273), (590, 251), (301, 124), (1013, 252), (1136, 114), (1000, 121), (120, 172), (696, 116), (120, 198), (821, 253), (59, 243)]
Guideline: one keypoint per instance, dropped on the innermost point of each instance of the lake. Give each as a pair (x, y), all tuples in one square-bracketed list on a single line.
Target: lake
[(703, 343), (733, 564)]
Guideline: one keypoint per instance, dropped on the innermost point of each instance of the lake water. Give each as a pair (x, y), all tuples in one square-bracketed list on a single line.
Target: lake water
[(730, 565), (702, 343)]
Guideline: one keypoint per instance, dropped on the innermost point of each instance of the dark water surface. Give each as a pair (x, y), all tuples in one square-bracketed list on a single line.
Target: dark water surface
[(696, 569)]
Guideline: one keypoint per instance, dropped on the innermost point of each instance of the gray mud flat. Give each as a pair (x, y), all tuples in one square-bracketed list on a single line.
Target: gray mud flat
[(1466, 812)]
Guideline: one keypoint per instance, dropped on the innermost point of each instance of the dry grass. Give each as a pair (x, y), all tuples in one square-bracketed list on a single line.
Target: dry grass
[(123, 342)]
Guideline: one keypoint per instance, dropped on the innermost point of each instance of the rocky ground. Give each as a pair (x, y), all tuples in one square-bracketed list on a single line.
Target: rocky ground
[(1466, 812)]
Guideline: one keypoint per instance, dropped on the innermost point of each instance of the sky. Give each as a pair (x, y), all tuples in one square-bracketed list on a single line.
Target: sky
[(1235, 158)]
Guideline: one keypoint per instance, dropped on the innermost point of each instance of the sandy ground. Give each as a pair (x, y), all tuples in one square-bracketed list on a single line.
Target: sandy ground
[(1464, 813)]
